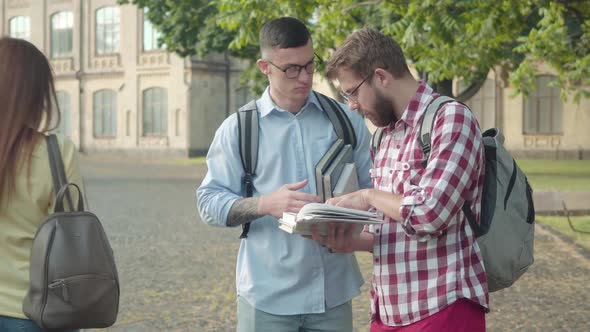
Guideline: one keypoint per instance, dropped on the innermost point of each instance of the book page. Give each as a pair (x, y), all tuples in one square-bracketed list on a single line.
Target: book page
[(319, 209)]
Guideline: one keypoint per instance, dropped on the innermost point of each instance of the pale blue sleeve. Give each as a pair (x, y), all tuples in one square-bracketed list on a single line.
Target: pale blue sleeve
[(362, 156), (222, 185)]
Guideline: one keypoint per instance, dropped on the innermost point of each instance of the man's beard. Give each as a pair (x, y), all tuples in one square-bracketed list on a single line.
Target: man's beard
[(383, 111)]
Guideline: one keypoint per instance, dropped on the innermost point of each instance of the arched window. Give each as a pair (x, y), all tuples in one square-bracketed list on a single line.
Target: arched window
[(20, 27), (107, 30), (543, 108), (65, 123), (105, 113), (62, 25), (155, 114)]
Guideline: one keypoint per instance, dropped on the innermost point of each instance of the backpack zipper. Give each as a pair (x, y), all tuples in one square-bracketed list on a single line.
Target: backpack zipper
[(63, 283), (65, 293)]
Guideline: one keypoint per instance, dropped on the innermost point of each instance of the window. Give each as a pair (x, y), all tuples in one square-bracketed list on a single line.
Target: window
[(128, 123), (177, 123), (543, 108), (150, 35), (62, 25), (155, 103), (65, 123), (107, 30), (105, 113), (20, 27), (483, 105)]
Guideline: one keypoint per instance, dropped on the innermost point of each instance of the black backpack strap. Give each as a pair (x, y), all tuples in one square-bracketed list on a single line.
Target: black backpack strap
[(339, 119), (427, 124), (56, 165), (376, 140), (248, 133), (59, 206)]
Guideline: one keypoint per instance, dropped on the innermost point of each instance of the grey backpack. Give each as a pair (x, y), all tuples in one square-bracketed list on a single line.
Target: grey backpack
[(505, 232), (73, 278)]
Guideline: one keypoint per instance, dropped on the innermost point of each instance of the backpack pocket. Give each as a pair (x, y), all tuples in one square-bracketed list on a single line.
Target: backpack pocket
[(77, 301)]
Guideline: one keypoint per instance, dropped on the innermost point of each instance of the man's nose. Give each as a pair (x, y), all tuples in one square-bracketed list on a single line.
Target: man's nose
[(304, 76)]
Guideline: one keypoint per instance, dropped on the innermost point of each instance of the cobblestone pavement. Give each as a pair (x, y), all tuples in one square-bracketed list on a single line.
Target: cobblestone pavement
[(177, 274)]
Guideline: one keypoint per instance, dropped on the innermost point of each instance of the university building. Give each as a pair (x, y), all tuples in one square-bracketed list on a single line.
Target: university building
[(538, 126), (118, 91)]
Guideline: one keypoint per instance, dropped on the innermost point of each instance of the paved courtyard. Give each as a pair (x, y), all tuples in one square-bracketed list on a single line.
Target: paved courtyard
[(177, 274)]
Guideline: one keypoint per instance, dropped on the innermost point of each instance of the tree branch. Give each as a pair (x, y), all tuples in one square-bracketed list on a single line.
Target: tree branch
[(361, 4), (471, 90)]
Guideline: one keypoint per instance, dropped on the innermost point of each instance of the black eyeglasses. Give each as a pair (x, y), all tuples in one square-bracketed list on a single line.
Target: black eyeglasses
[(351, 97), (293, 71)]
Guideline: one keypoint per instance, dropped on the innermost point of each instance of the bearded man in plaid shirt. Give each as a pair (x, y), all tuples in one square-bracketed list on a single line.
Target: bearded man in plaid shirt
[(428, 272)]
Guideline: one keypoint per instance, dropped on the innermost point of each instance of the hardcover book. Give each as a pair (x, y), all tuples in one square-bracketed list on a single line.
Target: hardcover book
[(323, 165), (334, 171)]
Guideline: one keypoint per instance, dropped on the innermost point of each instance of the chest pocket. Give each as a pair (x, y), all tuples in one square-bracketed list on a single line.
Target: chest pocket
[(398, 177)]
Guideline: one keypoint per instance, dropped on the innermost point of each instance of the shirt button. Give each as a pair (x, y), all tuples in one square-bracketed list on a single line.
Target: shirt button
[(406, 167), (398, 146), (377, 231), (420, 199), (376, 260), (390, 171)]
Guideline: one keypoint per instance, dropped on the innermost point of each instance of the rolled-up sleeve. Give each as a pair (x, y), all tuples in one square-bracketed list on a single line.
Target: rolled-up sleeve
[(222, 185), (456, 160)]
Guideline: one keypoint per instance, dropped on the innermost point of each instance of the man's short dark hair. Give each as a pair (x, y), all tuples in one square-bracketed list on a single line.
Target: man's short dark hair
[(283, 32)]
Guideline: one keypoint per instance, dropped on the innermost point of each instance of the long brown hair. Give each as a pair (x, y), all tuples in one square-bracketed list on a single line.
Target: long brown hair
[(27, 96)]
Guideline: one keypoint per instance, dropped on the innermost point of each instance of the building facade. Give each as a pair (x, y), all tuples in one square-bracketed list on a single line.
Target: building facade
[(540, 125), (117, 90)]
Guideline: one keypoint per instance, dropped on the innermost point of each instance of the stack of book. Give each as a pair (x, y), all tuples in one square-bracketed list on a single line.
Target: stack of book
[(335, 172), (321, 214)]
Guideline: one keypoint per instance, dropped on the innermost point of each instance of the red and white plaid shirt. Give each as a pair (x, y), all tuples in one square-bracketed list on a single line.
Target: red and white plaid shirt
[(428, 259)]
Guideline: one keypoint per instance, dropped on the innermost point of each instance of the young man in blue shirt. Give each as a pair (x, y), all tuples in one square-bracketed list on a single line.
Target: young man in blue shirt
[(285, 282)]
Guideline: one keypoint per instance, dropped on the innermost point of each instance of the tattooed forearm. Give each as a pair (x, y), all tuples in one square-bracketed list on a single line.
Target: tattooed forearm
[(243, 211)]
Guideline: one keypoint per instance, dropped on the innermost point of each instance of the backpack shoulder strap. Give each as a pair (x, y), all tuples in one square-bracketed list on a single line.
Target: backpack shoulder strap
[(248, 134), (427, 124), (376, 140), (339, 119), (248, 130), (425, 138), (56, 165)]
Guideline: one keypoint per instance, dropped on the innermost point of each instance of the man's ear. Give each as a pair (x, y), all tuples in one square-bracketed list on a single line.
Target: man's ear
[(383, 77), (263, 66)]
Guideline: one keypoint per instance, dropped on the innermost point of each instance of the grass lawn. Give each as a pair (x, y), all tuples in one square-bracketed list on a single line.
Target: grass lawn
[(561, 225), (190, 161), (566, 175), (559, 175), (543, 174)]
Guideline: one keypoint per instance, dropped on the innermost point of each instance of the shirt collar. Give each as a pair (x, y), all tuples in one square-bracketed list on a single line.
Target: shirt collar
[(413, 112), (267, 105)]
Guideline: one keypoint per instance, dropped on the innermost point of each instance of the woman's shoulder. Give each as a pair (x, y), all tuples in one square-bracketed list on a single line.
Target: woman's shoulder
[(66, 147)]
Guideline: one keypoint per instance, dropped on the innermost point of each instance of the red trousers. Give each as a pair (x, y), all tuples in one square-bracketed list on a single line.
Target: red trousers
[(461, 316)]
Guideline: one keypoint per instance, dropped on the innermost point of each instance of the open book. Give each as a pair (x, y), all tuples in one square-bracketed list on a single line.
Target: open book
[(322, 214)]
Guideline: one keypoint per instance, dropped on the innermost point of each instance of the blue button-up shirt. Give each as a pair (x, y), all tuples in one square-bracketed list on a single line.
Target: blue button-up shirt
[(278, 272)]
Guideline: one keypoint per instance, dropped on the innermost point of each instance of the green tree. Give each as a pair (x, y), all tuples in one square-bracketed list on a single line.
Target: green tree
[(445, 40)]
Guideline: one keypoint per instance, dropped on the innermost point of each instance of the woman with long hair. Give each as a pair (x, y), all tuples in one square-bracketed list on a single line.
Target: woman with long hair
[(27, 107)]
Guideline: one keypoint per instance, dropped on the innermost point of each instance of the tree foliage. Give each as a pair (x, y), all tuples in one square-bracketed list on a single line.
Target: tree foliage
[(445, 40)]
